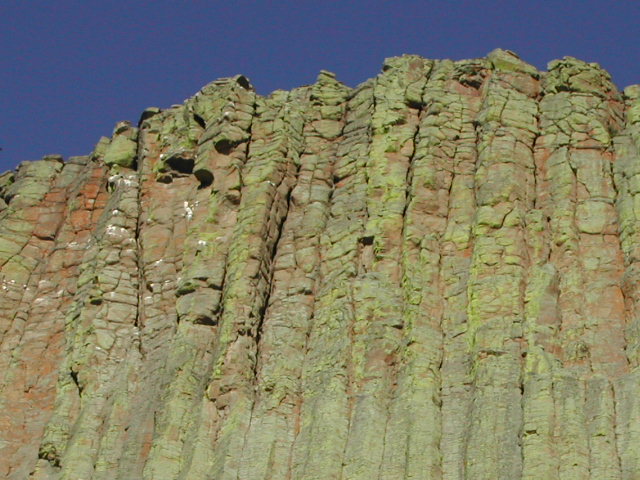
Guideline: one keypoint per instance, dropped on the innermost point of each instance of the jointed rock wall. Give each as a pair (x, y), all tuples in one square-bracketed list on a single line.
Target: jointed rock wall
[(435, 275)]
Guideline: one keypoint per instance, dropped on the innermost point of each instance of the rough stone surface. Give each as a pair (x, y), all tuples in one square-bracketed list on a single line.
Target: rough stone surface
[(434, 275)]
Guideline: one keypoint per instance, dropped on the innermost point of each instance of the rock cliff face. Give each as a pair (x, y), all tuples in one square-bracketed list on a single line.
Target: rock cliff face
[(435, 275)]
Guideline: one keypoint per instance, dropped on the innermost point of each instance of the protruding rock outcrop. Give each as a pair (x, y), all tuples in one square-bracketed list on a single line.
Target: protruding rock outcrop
[(433, 275)]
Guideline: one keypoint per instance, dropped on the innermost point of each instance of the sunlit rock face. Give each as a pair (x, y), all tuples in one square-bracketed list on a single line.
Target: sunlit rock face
[(433, 275)]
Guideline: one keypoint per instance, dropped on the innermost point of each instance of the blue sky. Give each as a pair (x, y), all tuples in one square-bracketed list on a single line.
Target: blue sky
[(71, 69)]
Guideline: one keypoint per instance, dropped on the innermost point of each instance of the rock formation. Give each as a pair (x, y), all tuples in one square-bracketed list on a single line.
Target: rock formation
[(435, 275)]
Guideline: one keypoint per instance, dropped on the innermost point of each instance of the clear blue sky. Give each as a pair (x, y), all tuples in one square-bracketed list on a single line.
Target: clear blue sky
[(71, 69)]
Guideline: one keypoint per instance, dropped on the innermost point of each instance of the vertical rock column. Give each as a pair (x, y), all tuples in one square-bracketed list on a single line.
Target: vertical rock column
[(582, 349), (627, 178), (60, 224), (166, 149), (444, 144), (274, 419), (377, 296), (100, 330), (453, 100), (504, 194), (224, 109), (267, 181), (324, 412), (21, 254)]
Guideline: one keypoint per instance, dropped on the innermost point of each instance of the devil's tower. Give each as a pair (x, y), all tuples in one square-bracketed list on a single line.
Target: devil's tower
[(434, 275)]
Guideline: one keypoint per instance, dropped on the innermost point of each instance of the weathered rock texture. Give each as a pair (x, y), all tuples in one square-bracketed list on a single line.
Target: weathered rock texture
[(435, 275)]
